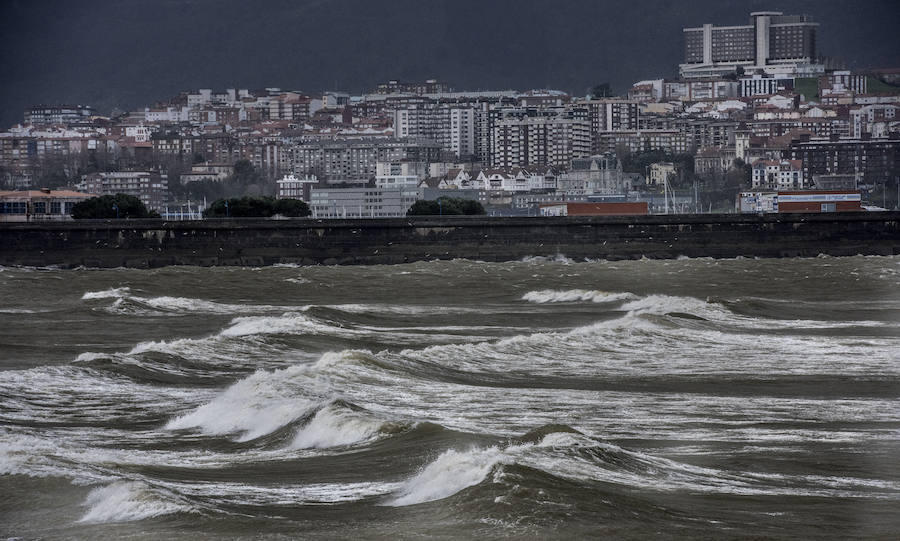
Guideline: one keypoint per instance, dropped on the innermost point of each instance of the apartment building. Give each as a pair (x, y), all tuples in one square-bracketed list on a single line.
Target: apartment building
[(151, 188), (778, 175)]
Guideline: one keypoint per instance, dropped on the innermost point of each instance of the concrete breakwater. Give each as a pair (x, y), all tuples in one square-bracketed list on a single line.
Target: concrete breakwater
[(257, 242)]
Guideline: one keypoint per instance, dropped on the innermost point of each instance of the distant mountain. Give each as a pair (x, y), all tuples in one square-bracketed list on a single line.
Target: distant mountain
[(130, 53)]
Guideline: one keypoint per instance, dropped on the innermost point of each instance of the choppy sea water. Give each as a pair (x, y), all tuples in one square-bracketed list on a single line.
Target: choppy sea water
[(536, 399)]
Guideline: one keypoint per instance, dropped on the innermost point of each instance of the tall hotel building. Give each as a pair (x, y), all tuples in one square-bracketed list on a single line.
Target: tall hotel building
[(773, 42)]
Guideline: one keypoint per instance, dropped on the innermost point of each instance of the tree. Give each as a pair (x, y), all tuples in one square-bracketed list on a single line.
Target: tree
[(245, 173), (120, 206), (292, 208), (603, 90), (446, 206), (256, 207)]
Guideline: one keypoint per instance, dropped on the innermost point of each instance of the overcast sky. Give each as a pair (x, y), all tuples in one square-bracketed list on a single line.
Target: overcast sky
[(129, 53)]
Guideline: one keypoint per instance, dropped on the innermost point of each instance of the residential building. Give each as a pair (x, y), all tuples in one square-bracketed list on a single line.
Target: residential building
[(611, 115), (874, 161), (839, 82), (400, 173), (429, 86), (660, 173), (877, 121), (57, 114), (207, 171), (293, 187), (778, 175), (636, 141), (539, 140), (356, 158), (600, 174), (763, 85), (149, 187)]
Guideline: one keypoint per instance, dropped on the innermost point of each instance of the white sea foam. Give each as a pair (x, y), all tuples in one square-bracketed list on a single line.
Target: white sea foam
[(452, 472), (581, 458), (125, 501), (252, 407), (288, 323), (558, 258), (575, 295), (333, 426), (191, 305), (170, 304), (111, 293)]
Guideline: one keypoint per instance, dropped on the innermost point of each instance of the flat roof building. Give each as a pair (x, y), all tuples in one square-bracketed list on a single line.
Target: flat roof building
[(772, 42), (39, 205)]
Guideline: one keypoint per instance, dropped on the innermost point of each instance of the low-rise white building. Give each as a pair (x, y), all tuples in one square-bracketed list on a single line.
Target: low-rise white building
[(207, 171), (778, 174), (400, 173), (364, 202), (660, 173), (293, 187)]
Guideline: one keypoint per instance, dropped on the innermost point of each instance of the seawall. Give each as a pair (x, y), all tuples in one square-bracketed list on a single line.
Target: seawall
[(257, 242)]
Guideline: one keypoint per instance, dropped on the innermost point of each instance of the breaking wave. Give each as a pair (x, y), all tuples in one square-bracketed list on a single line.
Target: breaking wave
[(452, 472), (252, 407), (126, 501), (127, 303), (336, 426), (575, 295), (573, 456)]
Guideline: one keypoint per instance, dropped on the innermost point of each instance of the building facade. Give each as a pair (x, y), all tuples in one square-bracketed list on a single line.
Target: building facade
[(772, 42), (39, 205), (363, 202), (149, 187)]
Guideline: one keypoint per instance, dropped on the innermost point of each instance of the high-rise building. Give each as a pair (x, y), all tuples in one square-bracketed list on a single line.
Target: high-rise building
[(540, 140), (772, 42)]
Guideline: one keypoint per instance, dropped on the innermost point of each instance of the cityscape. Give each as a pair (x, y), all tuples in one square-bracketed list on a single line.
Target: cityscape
[(755, 115), (455, 269)]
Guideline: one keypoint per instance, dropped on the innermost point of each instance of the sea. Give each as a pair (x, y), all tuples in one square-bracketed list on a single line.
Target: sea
[(537, 399)]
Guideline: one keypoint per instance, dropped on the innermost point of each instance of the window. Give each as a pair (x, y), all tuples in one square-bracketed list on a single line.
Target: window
[(829, 207), (12, 207)]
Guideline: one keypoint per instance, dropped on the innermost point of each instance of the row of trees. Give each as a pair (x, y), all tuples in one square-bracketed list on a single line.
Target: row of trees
[(256, 207), (118, 206), (446, 206), (122, 206)]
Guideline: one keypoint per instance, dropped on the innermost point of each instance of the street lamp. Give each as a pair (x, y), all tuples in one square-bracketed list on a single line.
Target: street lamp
[(116, 208)]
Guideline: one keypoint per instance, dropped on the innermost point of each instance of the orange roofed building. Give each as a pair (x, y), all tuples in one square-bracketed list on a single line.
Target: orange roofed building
[(595, 209), (39, 205)]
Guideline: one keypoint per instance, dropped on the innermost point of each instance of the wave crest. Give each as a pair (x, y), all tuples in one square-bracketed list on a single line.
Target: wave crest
[(126, 501), (452, 472), (575, 295), (336, 426)]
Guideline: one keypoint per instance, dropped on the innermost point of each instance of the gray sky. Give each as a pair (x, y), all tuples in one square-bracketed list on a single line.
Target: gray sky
[(129, 53)]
